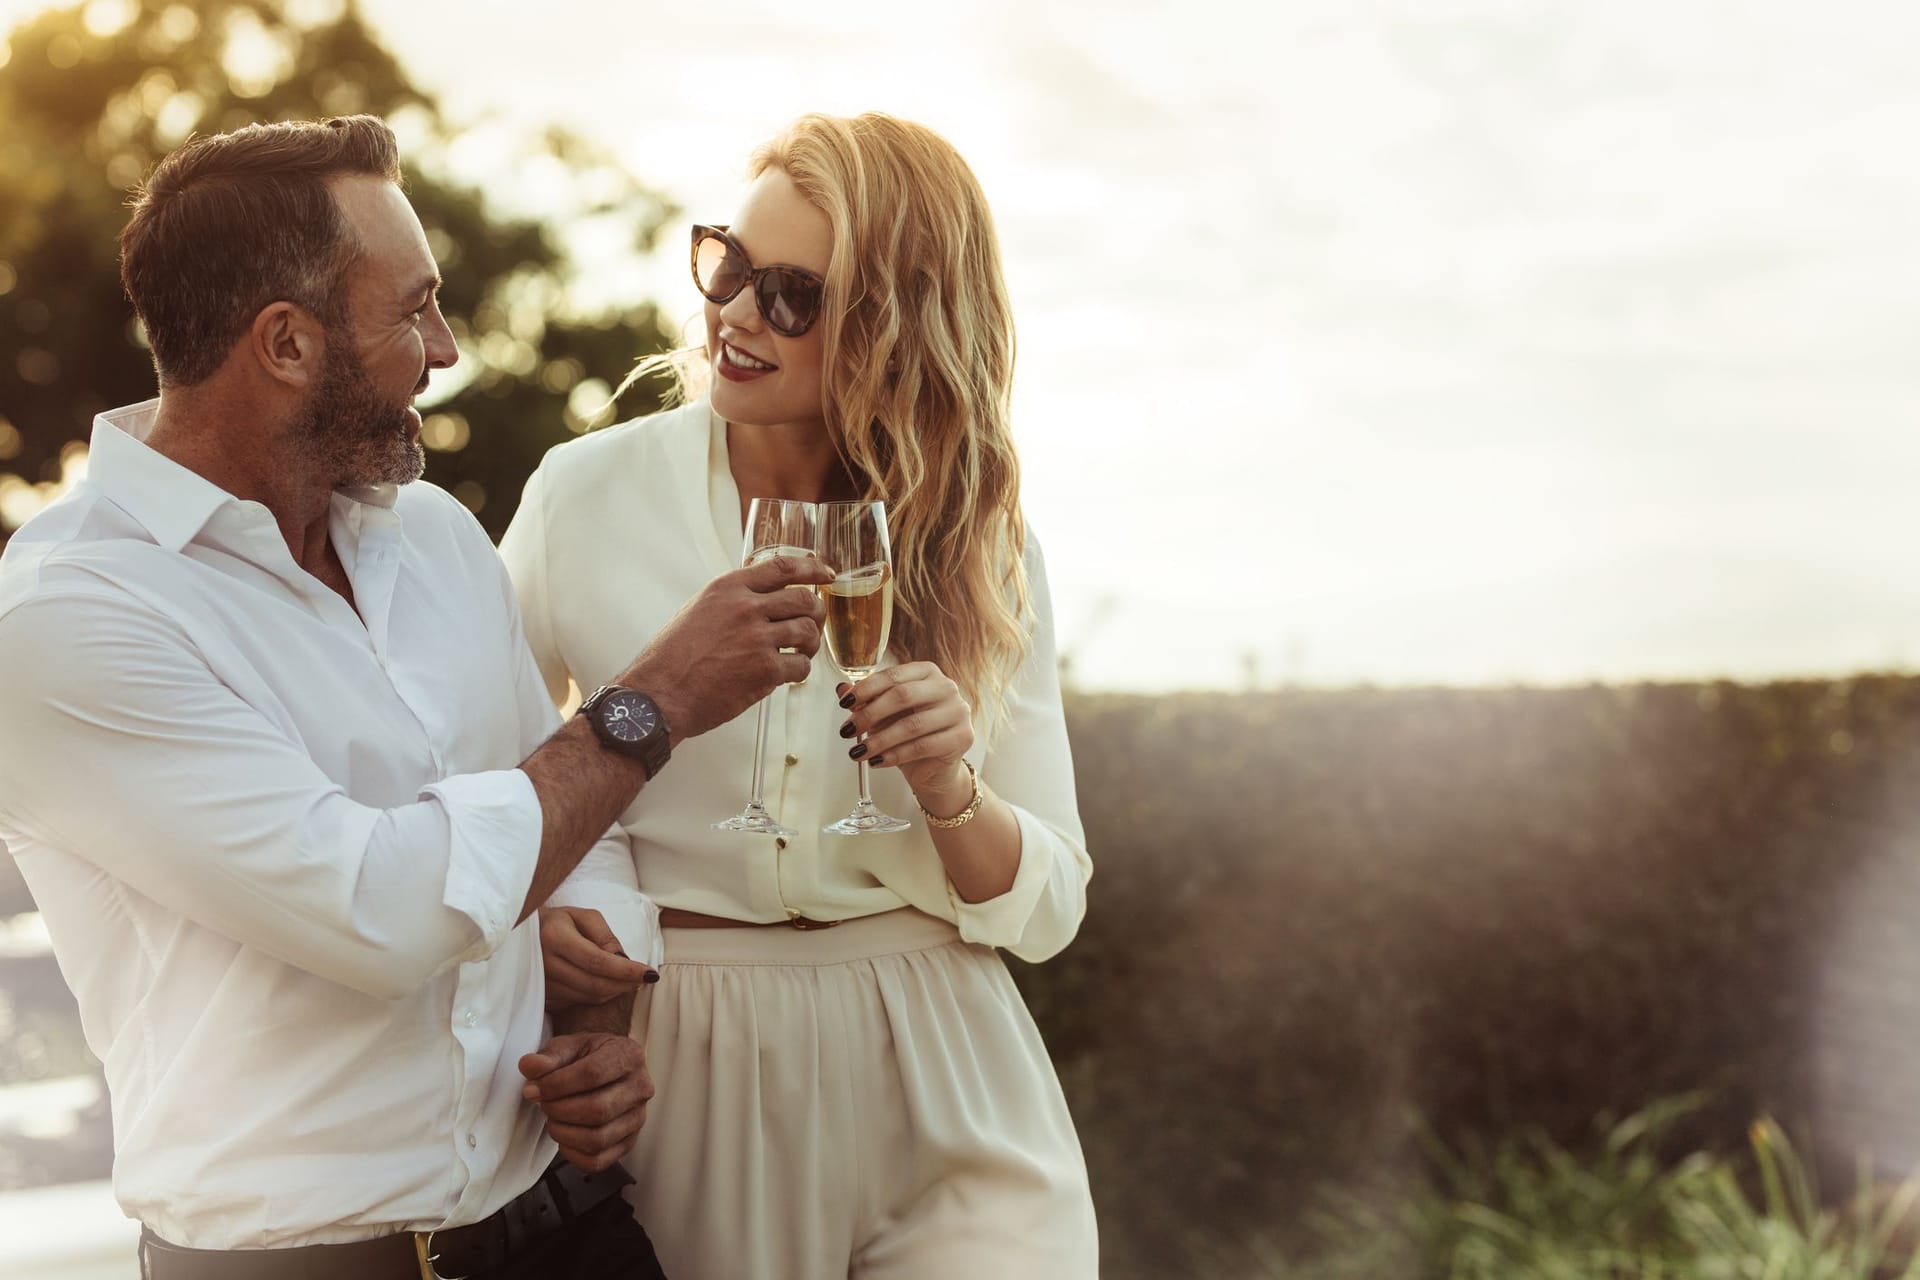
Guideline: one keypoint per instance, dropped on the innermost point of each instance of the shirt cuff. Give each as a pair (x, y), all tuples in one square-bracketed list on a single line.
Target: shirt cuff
[(1002, 921), (494, 820), (633, 917)]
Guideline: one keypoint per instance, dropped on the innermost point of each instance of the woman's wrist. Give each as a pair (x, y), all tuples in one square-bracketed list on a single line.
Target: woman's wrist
[(952, 793), (960, 816)]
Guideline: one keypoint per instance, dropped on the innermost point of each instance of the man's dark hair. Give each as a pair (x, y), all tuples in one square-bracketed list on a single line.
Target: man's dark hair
[(230, 224)]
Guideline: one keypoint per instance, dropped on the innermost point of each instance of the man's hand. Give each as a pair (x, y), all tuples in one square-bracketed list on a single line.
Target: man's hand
[(593, 1087), (723, 651), (584, 961)]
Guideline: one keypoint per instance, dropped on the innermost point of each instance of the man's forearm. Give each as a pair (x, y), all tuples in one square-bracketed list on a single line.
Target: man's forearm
[(615, 1015), (583, 789)]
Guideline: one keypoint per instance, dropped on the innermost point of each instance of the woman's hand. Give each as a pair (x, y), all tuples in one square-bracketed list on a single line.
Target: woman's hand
[(912, 718), (584, 961)]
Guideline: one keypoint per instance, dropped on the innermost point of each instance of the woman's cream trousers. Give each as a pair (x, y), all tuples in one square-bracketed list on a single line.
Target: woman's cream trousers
[(870, 1100)]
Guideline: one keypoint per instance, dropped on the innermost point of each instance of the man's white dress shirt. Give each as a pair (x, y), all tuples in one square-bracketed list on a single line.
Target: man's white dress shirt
[(280, 846), (615, 532)]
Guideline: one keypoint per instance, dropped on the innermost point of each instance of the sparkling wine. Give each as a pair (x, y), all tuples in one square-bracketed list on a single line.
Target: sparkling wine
[(859, 616), (859, 604)]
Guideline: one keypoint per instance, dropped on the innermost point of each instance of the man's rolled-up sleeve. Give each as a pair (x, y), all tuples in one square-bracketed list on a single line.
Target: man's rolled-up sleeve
[(487, 813), (120, 744)]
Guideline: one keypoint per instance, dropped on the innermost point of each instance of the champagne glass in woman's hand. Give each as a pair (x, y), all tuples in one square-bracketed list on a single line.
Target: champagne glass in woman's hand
[(852, 541), (775, 527)]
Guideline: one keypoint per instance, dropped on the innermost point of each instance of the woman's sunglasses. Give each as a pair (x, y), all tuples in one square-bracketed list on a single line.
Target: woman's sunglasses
[(789, 297)]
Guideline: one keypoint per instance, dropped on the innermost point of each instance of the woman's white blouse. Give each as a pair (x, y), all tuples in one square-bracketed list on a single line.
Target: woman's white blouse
[(615, 532)]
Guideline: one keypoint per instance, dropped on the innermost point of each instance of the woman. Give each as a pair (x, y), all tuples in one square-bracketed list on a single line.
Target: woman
[(870, 1099)]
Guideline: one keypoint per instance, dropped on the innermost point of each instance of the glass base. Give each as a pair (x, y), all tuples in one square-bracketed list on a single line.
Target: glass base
[(865, 820), (755, 818)]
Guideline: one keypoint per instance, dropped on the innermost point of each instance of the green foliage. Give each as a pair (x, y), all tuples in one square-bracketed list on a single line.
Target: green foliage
[(1620, 1209), (88, 113)]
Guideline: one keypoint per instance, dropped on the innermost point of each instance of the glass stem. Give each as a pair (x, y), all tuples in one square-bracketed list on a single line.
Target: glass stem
[(760, 755), (866, 798)]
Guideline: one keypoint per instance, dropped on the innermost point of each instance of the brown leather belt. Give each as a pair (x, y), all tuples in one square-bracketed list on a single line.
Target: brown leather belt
[(676, 918), (562, 1194)]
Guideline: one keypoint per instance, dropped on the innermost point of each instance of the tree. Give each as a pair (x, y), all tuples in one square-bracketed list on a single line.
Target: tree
[(92, 96)]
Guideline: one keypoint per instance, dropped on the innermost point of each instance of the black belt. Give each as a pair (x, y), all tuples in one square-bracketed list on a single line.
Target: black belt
[(562, 1194)]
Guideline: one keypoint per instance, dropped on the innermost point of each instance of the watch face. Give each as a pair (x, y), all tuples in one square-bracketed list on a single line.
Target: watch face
[(629, 716)]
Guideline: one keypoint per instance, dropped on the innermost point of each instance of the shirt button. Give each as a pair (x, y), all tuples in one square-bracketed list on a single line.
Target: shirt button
[(472, 1141), (792, 759), (780, 842), (472, 1017)]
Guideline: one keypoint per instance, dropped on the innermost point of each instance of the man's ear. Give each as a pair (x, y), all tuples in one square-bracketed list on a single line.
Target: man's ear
[(287, 342)]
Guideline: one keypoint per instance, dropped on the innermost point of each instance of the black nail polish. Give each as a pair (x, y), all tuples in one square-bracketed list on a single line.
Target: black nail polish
[(877, 760), (846, 730), (847, 702), (653, 975), (858, 751)]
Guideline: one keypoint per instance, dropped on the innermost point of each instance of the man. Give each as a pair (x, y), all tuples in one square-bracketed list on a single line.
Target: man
[(286, 785)]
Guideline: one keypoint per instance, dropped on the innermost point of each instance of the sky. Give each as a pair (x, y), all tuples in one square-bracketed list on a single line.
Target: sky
[(1402, 342)]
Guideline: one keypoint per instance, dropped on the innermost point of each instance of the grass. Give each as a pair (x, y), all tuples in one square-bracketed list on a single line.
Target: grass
[(1622, 1207)]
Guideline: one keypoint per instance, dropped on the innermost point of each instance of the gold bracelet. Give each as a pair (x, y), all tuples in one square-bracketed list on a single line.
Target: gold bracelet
[(965, 816)]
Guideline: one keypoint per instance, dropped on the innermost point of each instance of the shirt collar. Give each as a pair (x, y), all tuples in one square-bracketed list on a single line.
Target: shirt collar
[(171, 502)]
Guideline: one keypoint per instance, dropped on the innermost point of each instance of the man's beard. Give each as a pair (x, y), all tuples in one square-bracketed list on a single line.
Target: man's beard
[(357, 437)]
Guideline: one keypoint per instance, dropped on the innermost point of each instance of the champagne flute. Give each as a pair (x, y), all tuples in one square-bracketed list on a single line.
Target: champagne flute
[(851, 538), (775, 527)]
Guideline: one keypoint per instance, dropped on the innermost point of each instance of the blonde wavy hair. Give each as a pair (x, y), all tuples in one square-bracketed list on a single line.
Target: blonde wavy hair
[(917, 373)]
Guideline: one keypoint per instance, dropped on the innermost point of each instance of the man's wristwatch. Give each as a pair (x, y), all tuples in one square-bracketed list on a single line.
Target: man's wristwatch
[(628, 721)]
